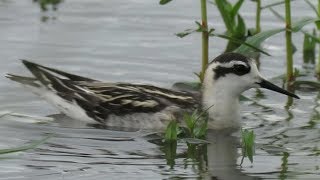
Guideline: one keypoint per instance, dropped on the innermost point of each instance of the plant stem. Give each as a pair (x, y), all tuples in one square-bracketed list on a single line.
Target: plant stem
[(290, 76), (205, 39), (258, 17), (318, 65)]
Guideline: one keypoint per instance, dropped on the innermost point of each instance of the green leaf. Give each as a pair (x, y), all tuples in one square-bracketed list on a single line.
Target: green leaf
[(256, 41), (163, 2), (171, 131), (278, 15), (225, 9), (240, 32), (313, 36), (246, 46), (24, 148), (313, 7), (185, 33), (273, 4), (297, 26), (236, 8), (248, 148), (201, 130), (189, 121)]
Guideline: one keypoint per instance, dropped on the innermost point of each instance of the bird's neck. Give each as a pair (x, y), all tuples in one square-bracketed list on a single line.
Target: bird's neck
[(223, 107)]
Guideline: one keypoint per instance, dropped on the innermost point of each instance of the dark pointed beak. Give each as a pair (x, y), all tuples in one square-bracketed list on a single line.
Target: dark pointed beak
[(268, 85)]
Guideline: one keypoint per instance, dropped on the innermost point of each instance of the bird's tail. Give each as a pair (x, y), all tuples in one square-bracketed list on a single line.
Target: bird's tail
[(23, 80), (44, 75)]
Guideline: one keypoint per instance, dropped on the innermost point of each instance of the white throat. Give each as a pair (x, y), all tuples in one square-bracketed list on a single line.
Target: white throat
[(222, 96), (224, 108)]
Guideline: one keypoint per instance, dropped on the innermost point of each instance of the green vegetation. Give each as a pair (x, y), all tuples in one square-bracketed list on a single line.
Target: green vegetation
[(236, 29), (45, 3), (284, 166), (172, 130), (194, 127), (290, 76), (314, 37), (243, 40), (205, 39), (309, 48), (248, 147), (25, 147), (258, 17), (234, 23)]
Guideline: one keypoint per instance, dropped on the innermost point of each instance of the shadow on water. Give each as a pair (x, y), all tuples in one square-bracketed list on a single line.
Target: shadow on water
[(215, 160)]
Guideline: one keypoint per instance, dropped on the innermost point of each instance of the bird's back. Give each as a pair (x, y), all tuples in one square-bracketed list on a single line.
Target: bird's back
[(112, 104)]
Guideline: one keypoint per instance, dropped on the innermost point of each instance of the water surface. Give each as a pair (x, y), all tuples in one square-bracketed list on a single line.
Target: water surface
[(133, 41)]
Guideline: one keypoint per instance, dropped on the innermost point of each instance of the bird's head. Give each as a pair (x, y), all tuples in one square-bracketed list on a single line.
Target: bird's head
[(235, 73)]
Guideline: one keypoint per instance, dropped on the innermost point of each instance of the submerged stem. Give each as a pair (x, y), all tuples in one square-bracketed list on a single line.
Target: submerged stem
[(290, 76), (205, 39)]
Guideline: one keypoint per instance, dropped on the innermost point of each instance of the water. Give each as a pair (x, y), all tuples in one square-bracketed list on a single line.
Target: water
[(133, 41)]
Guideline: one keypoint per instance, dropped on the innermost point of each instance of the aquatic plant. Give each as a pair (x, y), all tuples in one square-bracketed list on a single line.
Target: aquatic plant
[(195, 126), (171, 133), (309, 48), (284, 166), (236, 33), (203, 28), (248, 148), (25, 147), (289, 48), (205, 39), (309, 38), (45, 3), (258, 16), (314, 36), (234, 23)]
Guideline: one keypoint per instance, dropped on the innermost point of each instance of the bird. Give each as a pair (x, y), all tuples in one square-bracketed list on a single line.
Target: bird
[(143, 106)]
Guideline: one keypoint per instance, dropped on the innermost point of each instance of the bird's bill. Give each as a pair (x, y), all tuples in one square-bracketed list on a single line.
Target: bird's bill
[(268, 85)]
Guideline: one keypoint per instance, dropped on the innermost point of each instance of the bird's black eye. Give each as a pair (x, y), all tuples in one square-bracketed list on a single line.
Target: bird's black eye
[(240, 69)]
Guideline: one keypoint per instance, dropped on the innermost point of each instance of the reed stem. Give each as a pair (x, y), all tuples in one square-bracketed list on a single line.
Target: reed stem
[(318, 65), (205, 38), (290, 76), (258, 17)]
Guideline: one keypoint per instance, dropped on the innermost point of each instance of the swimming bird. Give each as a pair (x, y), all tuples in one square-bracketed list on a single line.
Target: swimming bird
[(146, 106)]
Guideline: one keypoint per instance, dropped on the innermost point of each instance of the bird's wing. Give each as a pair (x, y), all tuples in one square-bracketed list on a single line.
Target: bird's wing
[(99, 99), (122, 98)]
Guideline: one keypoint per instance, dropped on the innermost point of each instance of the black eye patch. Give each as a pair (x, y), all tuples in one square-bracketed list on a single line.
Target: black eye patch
[(237, 69)]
